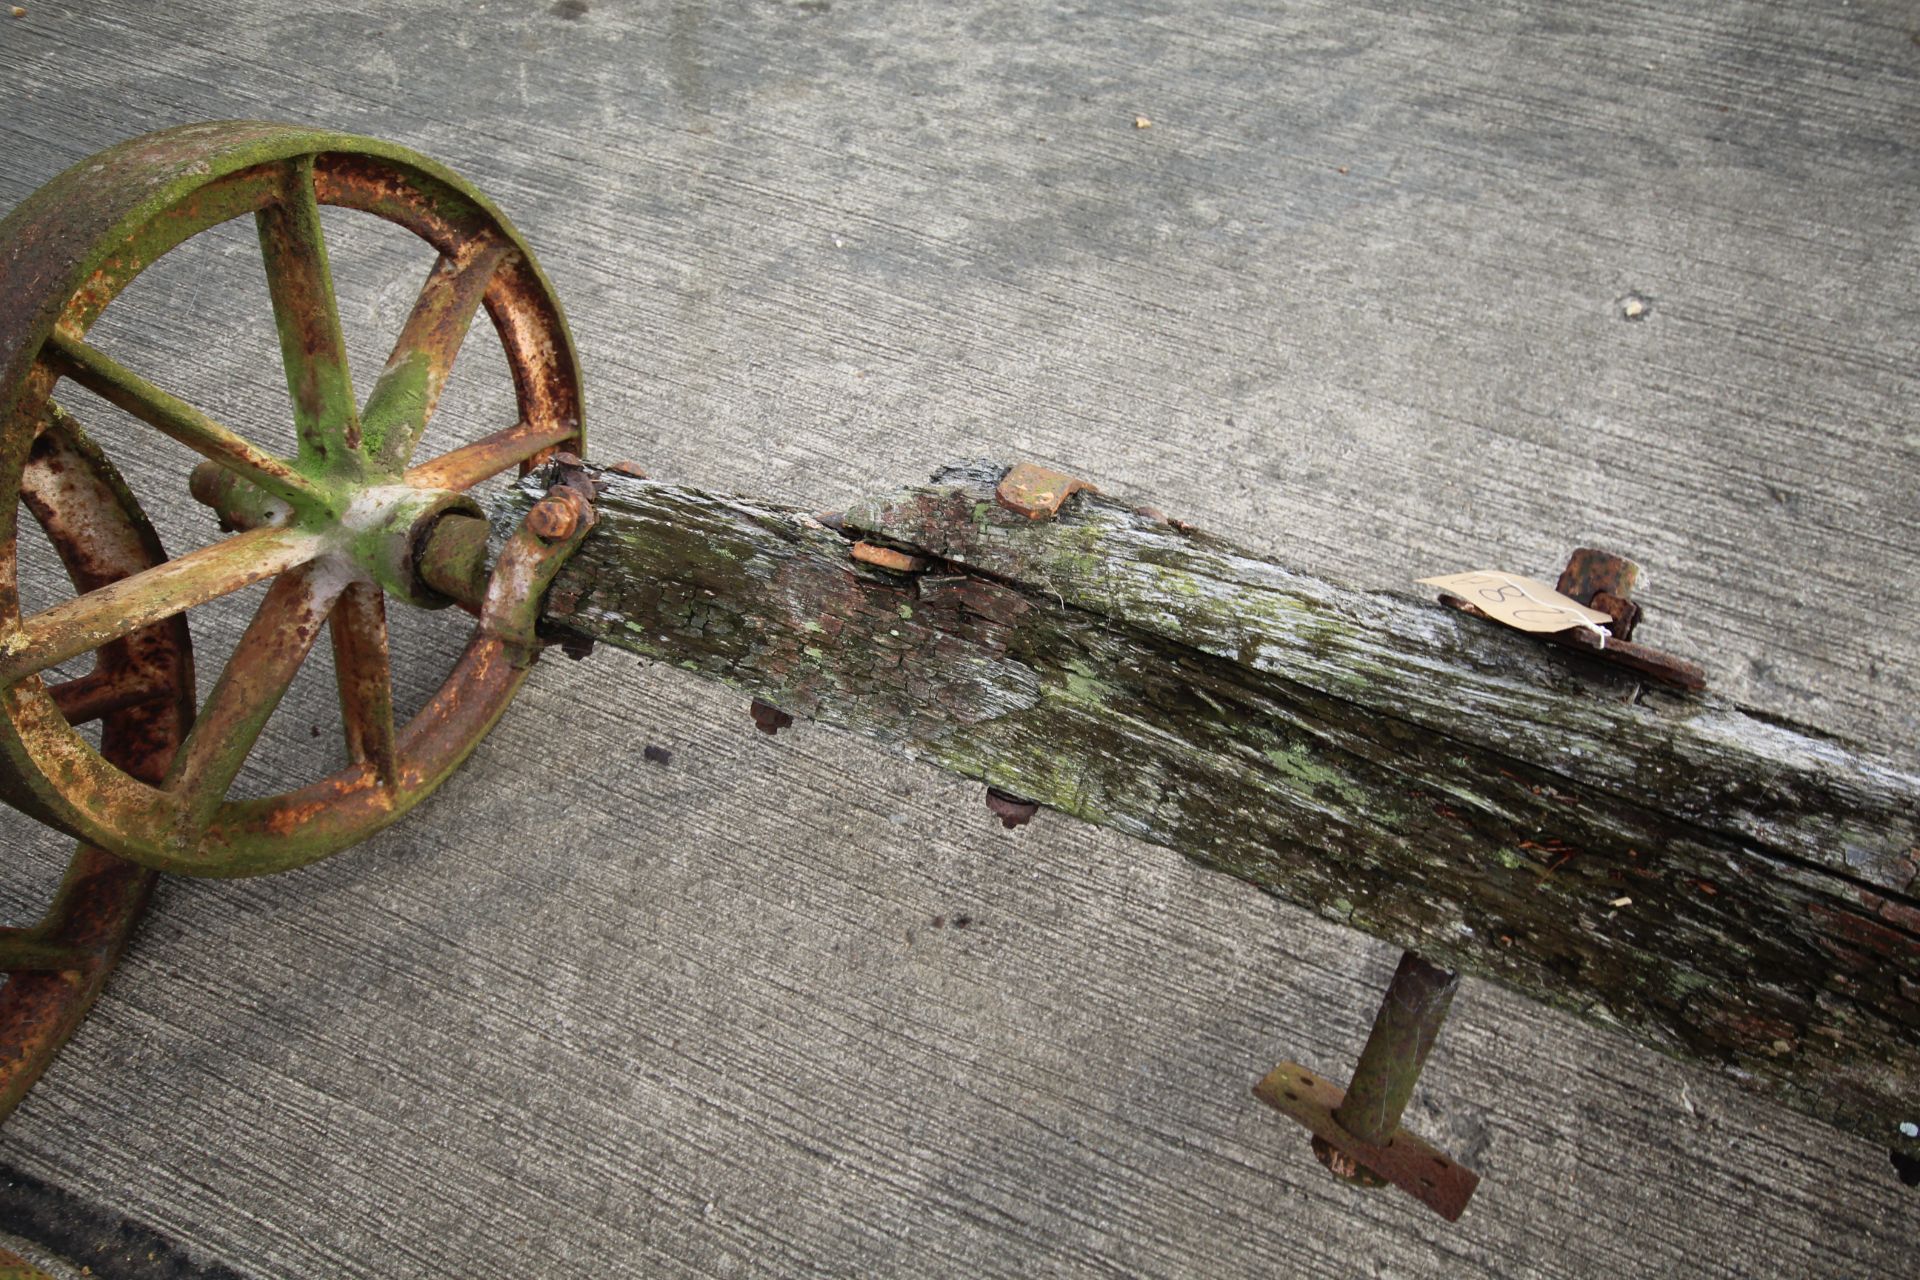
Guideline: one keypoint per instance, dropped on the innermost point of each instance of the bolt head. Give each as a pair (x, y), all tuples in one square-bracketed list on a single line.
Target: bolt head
[(555, 517)]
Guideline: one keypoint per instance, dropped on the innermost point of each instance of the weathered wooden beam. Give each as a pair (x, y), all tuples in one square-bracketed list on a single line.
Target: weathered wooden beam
[(1719, 884)]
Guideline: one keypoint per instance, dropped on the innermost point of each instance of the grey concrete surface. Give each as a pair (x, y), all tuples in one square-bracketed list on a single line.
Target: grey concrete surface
[(1354, 298)]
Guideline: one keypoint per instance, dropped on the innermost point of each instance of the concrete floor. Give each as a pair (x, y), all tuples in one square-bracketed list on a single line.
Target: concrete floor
[(1357, 298)]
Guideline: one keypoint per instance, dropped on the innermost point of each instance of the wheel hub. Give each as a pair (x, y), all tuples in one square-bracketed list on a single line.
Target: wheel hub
[(380, 525)]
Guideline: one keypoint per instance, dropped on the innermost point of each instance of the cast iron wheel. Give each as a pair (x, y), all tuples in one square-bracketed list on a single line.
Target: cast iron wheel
[(335, 527)]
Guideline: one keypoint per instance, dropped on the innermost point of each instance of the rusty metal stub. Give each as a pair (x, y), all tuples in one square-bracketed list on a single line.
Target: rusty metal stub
[(1590, 571), (768, 718), (1010, 809), (1036, 492), (1604, 581), (888, 558), (1437, 1181)]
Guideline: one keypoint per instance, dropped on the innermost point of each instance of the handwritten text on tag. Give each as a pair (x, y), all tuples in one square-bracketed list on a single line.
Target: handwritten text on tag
[(1519, 602)]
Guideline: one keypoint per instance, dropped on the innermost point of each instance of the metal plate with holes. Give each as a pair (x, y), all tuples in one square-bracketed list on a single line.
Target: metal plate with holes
[(1438, 1182)]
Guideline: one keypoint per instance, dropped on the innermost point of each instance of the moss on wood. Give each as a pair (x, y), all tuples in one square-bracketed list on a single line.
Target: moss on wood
[(1723, 886)]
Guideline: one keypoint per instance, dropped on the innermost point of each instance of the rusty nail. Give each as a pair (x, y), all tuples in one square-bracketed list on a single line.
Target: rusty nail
[(1036, 492), (1010, 809), (768, 718), (556, 516), (888, 558), (629, 469)]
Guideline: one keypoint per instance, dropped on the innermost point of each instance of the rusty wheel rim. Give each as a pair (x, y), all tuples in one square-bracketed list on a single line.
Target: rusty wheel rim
[(141, 689), (333, 527)]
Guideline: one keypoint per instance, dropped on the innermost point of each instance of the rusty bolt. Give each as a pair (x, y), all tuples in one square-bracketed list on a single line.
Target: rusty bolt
[(1010, 809), (556, 516), (768, 718)]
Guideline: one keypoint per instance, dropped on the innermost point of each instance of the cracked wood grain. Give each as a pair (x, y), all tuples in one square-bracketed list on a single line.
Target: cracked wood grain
[(1722, 885)]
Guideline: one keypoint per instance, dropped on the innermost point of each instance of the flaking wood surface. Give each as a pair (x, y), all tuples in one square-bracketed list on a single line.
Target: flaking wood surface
[(1353, 301), (1731, 888)]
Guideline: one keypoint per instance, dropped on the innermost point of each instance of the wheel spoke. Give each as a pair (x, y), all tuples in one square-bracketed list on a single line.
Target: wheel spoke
[(102, 692), (468, 465), (311, 347), (263, 664), (175, 418), (403, 400), (120, 608), (364, 671), (24, 950)]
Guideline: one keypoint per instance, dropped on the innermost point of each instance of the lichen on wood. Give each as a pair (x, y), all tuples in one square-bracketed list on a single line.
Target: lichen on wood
[(1724, 886)]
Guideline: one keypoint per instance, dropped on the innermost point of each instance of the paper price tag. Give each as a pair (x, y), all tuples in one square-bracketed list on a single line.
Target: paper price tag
[(1520, 602)]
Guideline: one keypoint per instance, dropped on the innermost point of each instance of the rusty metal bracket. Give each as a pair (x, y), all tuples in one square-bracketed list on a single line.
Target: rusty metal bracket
[(550, 532), (1356, 1131), (1605, 581)]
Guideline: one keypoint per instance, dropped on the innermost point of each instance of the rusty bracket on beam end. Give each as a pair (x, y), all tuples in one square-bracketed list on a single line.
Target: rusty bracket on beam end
[(1356, 1131), (550, 532)]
